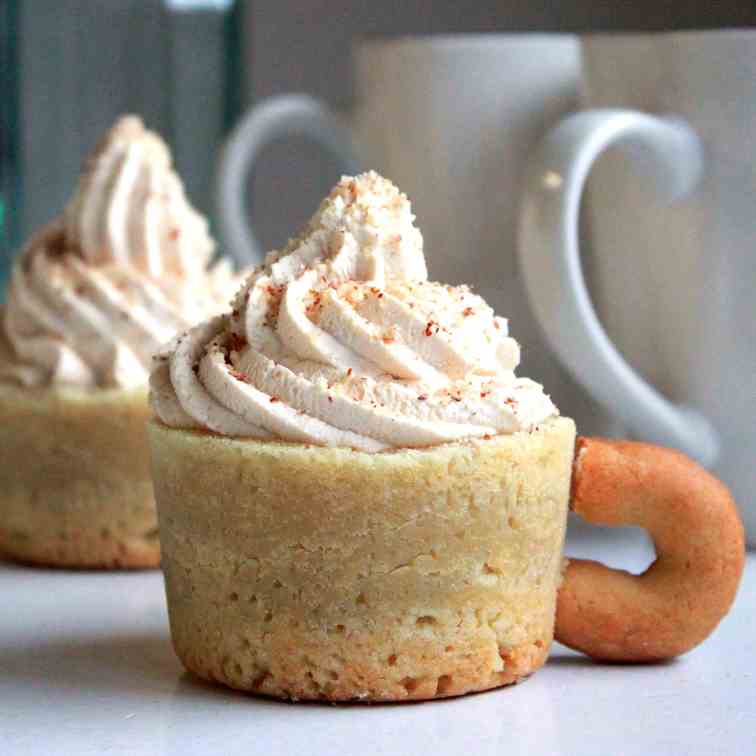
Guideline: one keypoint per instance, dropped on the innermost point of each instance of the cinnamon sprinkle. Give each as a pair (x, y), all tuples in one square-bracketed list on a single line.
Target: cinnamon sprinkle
[(56, 247), (314, 306), (239, 376), (235, 342)]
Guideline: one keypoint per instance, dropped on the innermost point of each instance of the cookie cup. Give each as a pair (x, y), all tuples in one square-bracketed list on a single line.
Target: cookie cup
[(75, 486), (306, 572)]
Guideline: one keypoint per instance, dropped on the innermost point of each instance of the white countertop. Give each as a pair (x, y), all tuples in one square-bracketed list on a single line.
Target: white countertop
[(86, 667)]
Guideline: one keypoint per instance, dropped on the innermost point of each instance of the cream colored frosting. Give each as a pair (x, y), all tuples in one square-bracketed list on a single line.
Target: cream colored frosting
[(339, 339), (96, 291)]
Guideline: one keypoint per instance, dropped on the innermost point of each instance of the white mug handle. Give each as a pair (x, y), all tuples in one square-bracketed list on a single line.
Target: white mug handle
[(550, 263), (265, 122)]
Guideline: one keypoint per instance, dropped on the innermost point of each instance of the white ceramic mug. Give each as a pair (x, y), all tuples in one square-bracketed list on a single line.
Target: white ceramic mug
[(673, 284), (451, 120)]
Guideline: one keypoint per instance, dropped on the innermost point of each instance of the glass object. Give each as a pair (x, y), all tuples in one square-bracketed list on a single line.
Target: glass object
[(10, 176)]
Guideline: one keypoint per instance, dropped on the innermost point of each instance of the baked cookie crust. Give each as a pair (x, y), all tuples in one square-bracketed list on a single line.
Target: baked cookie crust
[(306, 572)]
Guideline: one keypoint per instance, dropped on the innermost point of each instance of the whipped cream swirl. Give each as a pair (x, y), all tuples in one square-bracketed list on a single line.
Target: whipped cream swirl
[(98, 290), (339, 339)]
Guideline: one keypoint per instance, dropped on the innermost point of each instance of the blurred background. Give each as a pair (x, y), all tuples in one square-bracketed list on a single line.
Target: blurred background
[(190, 67), (305, 46)]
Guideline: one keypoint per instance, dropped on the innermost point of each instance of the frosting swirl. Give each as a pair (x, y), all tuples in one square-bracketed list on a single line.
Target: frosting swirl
[(339, 339), (96, 291)]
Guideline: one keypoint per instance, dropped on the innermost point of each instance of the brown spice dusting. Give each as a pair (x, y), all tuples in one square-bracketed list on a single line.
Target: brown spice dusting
[(484, 394), (349, 371), (274, 290), (467, 312), (235, 342), (275, 294), (487, 436), (496, 325), (55, 247), (174, 234), (428, 328), (239, 376), (314, 305), (274, 399), (422, 397)]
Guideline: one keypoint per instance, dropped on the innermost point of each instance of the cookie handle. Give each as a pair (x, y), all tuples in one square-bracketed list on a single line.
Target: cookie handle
[(694, 523)]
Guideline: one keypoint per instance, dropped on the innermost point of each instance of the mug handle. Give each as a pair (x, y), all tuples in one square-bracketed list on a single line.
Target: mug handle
[(550, 263), (271, 119), (700, 544)]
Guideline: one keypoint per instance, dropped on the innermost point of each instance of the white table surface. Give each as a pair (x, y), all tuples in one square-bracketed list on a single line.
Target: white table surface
[(86, 667)]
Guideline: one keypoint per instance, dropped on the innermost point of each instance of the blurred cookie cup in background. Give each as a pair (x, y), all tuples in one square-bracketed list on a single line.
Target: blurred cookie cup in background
[(91, 297)]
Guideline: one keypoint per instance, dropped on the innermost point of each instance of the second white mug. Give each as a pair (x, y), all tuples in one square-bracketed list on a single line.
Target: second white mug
[(671, 346)]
